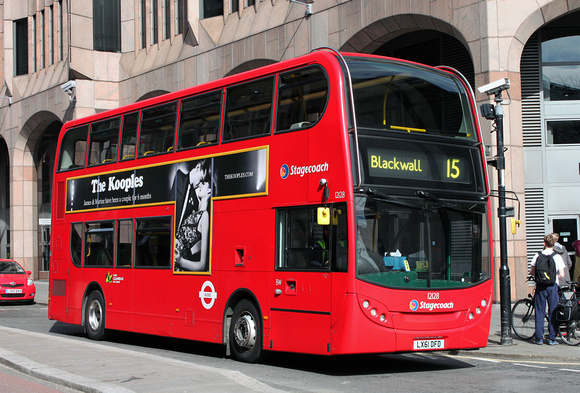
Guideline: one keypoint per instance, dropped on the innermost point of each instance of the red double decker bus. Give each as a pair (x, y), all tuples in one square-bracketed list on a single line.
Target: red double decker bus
[(328, 204)]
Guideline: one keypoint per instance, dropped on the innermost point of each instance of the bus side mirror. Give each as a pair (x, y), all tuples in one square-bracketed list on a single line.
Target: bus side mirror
[(323, 216)]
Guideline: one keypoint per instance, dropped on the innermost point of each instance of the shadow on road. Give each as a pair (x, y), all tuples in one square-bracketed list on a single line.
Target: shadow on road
[(343, 365)]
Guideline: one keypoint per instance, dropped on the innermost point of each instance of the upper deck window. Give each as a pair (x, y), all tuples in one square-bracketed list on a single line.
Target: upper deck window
[(302, 98), (199, 122), (129, 136), (249, 109), (73, 149), (104, 142), (407, 98), (157, 133)]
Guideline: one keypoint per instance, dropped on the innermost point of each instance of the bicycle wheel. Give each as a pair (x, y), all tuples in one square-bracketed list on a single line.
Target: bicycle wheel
[(524, 319), (570, 333)]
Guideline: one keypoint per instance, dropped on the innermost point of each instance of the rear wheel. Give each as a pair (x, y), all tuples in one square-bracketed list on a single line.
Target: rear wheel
[(570, 333), (246, 332), (95, 316), (524, 319)]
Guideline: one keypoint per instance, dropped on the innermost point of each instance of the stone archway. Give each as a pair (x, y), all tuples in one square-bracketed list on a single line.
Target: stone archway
[(24, 191), (420, 38)]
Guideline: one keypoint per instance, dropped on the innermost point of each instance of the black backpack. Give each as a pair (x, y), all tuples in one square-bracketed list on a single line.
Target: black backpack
[(545, 269)]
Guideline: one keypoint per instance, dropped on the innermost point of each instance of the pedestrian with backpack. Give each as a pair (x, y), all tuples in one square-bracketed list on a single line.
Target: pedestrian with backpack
[(560, 249), (547, 269)]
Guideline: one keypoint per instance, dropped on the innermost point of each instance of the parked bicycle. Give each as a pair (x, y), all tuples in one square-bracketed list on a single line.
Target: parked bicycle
[(523, 315)]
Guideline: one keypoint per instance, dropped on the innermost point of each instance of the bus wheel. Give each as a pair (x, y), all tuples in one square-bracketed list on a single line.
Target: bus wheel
[(95, 316), (246, 332)]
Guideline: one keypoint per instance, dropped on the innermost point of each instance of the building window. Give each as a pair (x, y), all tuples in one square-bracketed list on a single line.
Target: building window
[(154, 25), (211, 8), (563, 132), (41, 36), (21, 47), (60, 26), (143, 19), (50, 35), (166, 19), (561, 63), (234, 6), (181, 16), (34, 44), (107, 25)]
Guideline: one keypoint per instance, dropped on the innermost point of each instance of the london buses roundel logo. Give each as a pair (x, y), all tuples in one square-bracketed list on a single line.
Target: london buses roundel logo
[(414, 305), (284, 171)]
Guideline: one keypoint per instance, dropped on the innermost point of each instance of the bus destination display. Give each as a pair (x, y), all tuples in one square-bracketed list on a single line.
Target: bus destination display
[(415, 163)]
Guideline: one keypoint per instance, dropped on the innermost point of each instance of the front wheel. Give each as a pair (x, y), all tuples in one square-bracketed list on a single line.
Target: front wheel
[(524, 319), (95, 316), (570, 333), (246, 332)]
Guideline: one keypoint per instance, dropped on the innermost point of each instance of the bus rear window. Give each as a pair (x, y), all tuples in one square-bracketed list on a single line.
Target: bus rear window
[(73, 149)]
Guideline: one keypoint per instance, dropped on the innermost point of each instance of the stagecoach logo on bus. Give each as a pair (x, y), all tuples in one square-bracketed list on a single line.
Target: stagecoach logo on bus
[(414, 305), (286, 171)]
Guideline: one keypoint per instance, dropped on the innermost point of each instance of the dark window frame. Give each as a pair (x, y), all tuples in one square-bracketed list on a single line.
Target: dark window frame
[(107, 25)]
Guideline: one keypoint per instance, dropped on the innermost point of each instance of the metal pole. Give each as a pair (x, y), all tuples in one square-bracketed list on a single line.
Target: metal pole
[(504, 271)]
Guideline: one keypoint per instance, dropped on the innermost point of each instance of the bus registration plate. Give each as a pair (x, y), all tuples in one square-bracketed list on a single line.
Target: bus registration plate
[(14, 291), (428, 344)]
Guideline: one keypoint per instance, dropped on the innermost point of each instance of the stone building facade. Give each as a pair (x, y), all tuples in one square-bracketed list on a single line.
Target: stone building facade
[(66, 59)]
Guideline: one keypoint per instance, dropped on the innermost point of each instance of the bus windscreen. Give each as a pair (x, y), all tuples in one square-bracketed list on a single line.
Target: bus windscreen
[(399, 97)]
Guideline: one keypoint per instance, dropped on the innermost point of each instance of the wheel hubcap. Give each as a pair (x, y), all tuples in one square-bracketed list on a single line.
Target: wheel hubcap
[(245, 331), (95, 315)]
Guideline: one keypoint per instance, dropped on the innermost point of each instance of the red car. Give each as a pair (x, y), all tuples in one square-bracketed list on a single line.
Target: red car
[(15, 282)]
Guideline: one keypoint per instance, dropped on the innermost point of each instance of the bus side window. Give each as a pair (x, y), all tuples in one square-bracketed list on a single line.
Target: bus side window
[(73, 149), (104, 142), (305, 245), (157, 134), (249, 110), (199, 121), (124, 243), (153, 242), (76, 243), (99, 245), (129, 136), (302, 98)]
